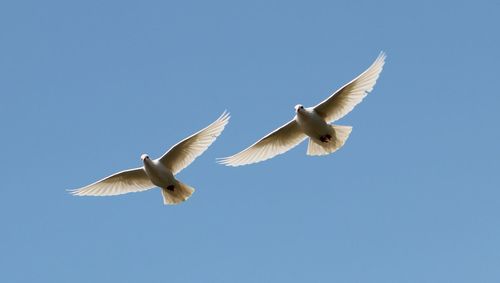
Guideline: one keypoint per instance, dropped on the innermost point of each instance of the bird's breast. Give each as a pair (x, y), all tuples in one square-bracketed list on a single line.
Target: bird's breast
[(312, 124), (159, 174)]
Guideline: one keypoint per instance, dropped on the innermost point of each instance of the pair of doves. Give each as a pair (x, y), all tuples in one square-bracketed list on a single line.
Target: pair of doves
[(313, 122)]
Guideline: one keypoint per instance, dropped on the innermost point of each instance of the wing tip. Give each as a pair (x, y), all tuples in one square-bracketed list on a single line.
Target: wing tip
[(226, 161), (74, 192), (381, 57), (237, 160), (225, 116), (223, 120)]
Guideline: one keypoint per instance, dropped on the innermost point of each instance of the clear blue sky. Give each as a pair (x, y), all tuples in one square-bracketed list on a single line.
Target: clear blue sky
[(87, 86)]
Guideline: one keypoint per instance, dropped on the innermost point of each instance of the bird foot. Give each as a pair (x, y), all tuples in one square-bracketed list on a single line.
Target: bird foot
[(171, 188), (326, 138)]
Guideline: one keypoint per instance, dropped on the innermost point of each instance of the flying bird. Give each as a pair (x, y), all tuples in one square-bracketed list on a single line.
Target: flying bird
[(160, 172), (313, 122)]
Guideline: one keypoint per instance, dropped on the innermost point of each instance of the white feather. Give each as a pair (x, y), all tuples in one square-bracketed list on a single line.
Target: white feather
[(347, 97)]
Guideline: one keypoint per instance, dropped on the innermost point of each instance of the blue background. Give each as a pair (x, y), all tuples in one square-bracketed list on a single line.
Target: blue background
[(88, 86)]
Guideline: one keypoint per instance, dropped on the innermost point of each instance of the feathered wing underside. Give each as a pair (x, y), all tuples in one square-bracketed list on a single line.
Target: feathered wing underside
[(128, 181), (275, 143), (186, 151), (347, 97)]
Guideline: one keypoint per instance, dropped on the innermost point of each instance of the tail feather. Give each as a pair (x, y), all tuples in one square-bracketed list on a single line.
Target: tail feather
[(339, 136), (177, 194)]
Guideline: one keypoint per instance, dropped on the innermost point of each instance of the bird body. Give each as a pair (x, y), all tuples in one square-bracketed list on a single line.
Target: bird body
[(313, 123), (172, 190), (323, 137), (160, 172), (159, 175)]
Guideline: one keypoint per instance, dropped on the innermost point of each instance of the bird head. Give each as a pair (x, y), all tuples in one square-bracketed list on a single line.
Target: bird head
[(144, 157), (299, 107)]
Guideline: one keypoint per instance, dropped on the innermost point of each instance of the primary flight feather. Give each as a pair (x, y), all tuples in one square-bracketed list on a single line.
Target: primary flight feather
[(314, 123), (160, 172)]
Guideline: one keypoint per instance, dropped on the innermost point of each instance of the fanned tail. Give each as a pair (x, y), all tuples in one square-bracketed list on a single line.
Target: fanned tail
[(176, 194), (339, 136)]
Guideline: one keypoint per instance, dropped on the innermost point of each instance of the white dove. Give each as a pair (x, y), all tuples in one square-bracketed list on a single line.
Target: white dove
[(313, 122), (160, 172)]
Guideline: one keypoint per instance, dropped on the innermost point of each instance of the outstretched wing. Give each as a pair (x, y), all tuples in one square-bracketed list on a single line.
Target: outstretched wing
[(275, 143), (128, 181), (343, 100), (185, 152)]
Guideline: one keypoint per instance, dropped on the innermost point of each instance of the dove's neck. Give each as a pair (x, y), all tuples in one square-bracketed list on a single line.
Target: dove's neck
[(148, 163), (150, 167)]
